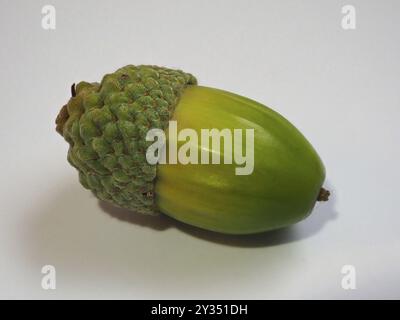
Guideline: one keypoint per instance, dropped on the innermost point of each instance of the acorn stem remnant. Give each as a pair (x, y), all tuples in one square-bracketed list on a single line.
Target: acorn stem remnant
[(323, 195), (73, 91)]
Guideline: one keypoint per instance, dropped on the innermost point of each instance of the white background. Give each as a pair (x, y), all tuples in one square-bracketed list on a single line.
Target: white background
[(340, 88)]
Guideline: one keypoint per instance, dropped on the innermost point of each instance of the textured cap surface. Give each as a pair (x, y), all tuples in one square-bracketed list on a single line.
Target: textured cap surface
[(106, 123)]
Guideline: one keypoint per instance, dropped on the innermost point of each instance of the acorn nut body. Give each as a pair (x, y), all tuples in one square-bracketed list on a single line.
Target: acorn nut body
[(107, 127)]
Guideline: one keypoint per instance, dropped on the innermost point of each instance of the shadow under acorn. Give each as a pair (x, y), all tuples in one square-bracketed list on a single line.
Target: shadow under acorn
[(322, 213)]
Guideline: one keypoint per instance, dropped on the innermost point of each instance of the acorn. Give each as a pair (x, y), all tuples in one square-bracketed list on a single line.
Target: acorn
[(149, 139)]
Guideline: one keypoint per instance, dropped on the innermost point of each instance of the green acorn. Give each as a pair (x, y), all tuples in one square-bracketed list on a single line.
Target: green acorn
[(107, 126)]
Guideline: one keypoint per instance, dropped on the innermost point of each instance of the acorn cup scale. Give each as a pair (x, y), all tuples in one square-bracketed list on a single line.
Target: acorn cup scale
[(106, 126)]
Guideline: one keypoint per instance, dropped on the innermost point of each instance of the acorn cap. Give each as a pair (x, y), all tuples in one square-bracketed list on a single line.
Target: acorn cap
[(106, 124)]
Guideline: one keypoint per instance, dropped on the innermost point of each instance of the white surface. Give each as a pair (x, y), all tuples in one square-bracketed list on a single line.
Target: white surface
[(340, 88)]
